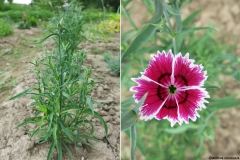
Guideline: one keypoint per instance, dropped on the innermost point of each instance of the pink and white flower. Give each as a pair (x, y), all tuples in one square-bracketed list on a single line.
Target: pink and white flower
[(174, 88)]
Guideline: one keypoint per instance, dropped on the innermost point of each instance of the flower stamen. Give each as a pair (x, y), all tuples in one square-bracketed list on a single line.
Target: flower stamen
[(172, 89)]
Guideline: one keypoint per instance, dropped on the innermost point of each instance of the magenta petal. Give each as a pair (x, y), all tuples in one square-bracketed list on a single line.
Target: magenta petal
[(169, 111), (191, 101), (160, 68), (152, 103), (186, 73)]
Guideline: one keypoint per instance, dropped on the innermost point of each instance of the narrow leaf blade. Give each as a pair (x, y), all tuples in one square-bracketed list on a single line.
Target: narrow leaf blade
[(128, 119), (172, 10), (96, 115), (133, 140), (21, 94), (139, 104)]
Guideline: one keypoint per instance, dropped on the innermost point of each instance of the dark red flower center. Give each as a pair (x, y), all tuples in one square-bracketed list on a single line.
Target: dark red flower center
[(163, 93), (181, 80), (163, 79)]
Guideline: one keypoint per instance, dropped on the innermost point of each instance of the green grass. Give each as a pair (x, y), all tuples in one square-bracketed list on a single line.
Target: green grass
[(5, 28)]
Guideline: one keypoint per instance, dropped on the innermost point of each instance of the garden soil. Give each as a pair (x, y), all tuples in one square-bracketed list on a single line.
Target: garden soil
[(15, 143), (224, 16)]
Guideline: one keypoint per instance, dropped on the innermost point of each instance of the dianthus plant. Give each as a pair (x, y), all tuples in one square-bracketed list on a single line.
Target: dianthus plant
[(61, 98), (172, 86)]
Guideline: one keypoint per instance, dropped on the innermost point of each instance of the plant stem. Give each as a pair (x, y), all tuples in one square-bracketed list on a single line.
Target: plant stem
[(167, 18), (171, 29), (174, 46), (60, 59)]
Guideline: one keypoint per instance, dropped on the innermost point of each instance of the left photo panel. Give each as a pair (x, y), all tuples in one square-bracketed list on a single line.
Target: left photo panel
[(60, 80)]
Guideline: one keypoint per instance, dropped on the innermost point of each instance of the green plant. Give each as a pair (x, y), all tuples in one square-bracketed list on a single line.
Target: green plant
[(5, 29), (107, 56), (23, 25), (16, 53), (16, 15), (109, 26), (96, 51), (61, 98), (33, 22), (113, 63)]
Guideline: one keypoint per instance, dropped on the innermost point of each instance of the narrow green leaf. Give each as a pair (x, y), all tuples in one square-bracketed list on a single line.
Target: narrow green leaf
[(89, 102), (209, 86), (222, 103), (143, 37), (158, 12), (50, 151), (178, 18), (93, 101), (32, 133), (204, 125), (181, 128), (126, 104), (86, 121), (236, 75), (139, 144), (133, 140), (32, 119), (54, 34), (84, 142), (69, 111), (172, 10), (42, 109), (68, 151), (50, 121), (128, 119), (96, 115), (55, 136), (190, 18), (89, 138), (200, 145), (139, 104), (66, 131), (191, 29), (21, 94), (59, 150), (146, 33), (69, 98), (125, 13)]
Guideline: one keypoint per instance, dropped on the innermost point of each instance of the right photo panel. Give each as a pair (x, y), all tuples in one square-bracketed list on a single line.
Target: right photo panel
[(180, 74)]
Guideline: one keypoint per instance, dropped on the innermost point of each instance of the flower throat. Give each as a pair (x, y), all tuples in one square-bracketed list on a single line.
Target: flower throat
[(172, 89)]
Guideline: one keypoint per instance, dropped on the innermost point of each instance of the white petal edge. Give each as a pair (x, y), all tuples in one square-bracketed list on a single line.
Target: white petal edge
[(152, 115), (200, 104)]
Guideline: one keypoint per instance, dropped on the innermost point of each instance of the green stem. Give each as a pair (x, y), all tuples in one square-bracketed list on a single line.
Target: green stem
[(167, 18), (171, 30), (174, 46), (61, 74)]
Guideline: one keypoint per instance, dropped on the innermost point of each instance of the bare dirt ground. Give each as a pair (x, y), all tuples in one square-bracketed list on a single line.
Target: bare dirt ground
[(15, 143), (224, 16)]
